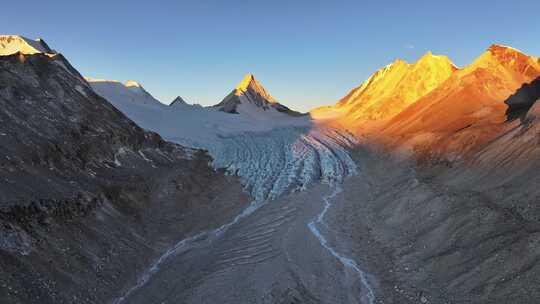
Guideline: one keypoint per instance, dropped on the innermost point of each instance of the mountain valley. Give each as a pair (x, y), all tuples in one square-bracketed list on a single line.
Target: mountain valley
[(418, 186)]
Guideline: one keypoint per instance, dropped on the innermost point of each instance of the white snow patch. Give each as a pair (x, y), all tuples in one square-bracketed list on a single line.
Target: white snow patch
[(121, 151), (81, 90)]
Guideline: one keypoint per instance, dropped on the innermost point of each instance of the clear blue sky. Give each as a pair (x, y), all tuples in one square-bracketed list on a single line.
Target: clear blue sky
[(305, 52)]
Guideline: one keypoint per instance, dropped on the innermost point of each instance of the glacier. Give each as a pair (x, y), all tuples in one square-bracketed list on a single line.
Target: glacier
[(272, 154), (278, 161)]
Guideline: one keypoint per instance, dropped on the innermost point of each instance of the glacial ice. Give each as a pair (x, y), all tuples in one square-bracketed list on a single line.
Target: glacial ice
[(287, 159), (272, 154)]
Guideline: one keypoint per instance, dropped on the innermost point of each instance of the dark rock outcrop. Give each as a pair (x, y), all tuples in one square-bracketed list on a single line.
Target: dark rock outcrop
[(178, 101), (520, 102), (88, 199)]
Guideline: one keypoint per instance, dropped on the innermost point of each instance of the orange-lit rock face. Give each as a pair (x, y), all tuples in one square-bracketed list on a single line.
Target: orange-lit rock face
[(467, 110), (395, 87), (478, 88), (431, 104), (511, 62)]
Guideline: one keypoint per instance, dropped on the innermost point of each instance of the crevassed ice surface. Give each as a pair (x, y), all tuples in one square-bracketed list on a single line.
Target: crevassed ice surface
[(286, 159)]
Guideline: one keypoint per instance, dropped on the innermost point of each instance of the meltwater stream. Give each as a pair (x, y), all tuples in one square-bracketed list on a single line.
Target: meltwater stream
[(201, 239), (347, 262), (270, 164)]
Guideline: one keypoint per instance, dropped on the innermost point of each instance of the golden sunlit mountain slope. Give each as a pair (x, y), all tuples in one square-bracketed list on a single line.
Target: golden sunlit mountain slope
[(465, 111), (389, 91)]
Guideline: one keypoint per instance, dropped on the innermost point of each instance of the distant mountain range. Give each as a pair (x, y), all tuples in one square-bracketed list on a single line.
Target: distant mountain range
[(393, 88), (131, 91), (432, 107), (249, 99)]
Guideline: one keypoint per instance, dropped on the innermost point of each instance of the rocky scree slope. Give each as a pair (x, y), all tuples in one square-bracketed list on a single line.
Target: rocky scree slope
[(87, 198), (444, 235), (459, 221)]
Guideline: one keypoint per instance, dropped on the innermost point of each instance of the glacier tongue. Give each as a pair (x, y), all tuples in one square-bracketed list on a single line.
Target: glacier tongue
[(270, 163), (274, 162)]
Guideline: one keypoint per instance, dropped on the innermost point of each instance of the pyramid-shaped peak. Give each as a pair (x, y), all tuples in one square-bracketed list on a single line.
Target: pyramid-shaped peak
[(178, 101), (249, 76), (251, 85), (251, 97), (248, 80)]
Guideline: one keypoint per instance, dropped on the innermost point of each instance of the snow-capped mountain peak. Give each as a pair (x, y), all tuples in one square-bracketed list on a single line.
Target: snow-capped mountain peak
[(244, 84), (503, 55), (178, 101), (391, 89), (249, 83), (251, 97), (506, 62), (113, 90), (12, 44)]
